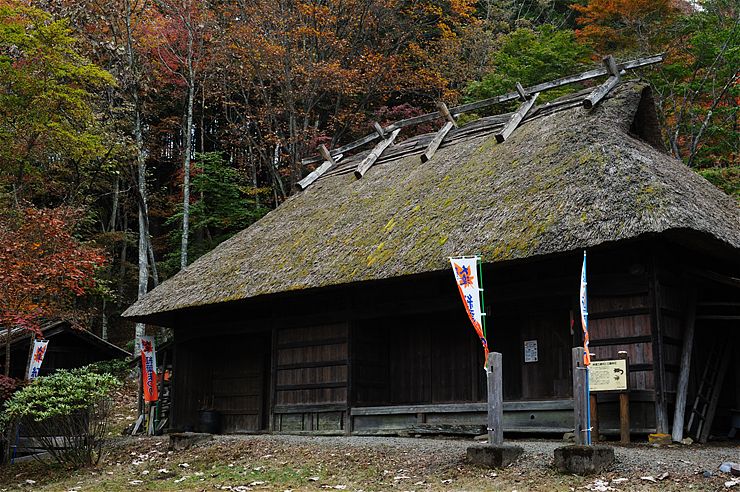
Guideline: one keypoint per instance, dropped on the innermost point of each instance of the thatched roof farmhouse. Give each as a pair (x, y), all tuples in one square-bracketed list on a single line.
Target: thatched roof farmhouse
[(342, 313)]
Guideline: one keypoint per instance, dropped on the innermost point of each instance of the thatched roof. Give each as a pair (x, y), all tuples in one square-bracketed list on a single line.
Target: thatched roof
[(566, 179)]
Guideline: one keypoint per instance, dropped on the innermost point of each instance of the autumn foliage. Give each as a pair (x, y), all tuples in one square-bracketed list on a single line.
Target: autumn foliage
[(43, 267)]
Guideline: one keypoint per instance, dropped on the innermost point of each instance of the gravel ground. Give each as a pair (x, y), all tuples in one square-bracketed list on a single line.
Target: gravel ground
[(635, 459)]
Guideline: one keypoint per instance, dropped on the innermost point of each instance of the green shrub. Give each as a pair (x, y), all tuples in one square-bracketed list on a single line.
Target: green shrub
[(115, 367), (67, 413)]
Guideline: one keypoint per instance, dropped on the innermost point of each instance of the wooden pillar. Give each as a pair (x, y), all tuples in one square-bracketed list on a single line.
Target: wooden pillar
[(624, 406), (579, 396), (624, 418), (661, 405), (495, 399), (683, 377), (594, 417)]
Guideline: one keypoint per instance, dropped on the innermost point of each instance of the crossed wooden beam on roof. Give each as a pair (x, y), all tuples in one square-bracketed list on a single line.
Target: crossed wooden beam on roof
[(527, 96)]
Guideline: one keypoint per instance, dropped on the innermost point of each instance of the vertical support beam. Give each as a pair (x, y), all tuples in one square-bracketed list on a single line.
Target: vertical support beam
[(624, 418), (495, 399), (579, 396), (624, 408), (594, 417), (661, 406), (273, 377), (679, 412), (350, 377)]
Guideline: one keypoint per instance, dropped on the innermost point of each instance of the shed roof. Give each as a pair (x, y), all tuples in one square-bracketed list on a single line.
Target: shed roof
[(51, 328), (568, 178)]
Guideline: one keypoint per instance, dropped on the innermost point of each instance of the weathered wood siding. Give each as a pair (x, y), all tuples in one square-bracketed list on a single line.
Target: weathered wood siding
[(311, 382)]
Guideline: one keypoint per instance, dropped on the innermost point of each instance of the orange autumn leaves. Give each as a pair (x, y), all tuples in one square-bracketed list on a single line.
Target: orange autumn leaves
[(614, 25), (43, 267)]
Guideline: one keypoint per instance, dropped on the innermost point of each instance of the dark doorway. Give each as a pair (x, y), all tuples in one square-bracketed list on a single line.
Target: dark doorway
[(240, 385)]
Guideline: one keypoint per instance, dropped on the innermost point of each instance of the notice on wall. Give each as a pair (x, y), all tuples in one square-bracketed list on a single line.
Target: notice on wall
[(608, 375), (530, 351)]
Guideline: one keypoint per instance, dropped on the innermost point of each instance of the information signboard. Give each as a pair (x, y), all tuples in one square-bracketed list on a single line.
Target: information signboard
[(608, 375)]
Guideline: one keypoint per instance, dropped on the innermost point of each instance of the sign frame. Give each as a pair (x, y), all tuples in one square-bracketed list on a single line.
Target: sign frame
[(621, 364)]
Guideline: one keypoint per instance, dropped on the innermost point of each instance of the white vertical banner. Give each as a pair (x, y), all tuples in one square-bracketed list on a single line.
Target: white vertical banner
[(465, 269), (37, 357)]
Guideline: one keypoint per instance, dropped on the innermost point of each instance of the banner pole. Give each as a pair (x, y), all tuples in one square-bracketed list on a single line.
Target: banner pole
[(479, 260), (587, 354)]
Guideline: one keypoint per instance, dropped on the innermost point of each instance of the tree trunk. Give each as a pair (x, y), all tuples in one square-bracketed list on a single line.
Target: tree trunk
[(141, 177), (187, 151), (114, 206)]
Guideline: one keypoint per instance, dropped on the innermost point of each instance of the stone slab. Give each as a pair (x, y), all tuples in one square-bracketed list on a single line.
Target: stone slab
[(583, 460), (494, 456), (184, 440)]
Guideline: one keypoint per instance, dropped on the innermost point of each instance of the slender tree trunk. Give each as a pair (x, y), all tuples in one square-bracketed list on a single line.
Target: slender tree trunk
[(114, 207), (143, 223), (187, 151), (141, 177)]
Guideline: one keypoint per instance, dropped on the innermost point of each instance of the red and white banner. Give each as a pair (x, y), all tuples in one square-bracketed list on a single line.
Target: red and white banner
[(149, 369), (37, 357), (465, 269)]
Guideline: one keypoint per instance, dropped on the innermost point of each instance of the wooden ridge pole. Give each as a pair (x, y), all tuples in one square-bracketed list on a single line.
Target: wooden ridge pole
[(416, 120)]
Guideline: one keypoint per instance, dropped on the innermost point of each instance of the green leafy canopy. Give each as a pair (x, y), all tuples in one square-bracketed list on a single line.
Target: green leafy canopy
[(530, 56)]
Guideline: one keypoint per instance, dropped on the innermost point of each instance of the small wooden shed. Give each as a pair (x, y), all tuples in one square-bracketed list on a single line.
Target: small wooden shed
[(338, 313), (68, 348)]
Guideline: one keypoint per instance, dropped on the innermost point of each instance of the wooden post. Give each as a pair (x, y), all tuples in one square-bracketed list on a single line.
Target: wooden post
[(379, 129), (318, 172), (495, 400), (516, 118), (683, 377), (624, 406), (444, 111), (624, 418), (579, 396), (373, 156), (594, 417), (437, 141)]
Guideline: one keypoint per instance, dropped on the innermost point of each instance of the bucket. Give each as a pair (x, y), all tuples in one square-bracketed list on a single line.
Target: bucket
[(209, 421)]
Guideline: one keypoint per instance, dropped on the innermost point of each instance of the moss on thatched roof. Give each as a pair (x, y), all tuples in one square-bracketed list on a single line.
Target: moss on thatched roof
[(565, 180)]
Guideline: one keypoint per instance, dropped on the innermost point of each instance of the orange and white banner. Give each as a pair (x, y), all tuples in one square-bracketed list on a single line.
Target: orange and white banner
[(465, 269), (149, 369)]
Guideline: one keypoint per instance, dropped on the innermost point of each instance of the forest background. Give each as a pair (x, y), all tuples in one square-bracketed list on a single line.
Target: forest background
[(135, 135)]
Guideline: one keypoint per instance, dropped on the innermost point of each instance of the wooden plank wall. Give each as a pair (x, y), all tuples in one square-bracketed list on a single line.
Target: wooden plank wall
[(620, 319), (311, 381)]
